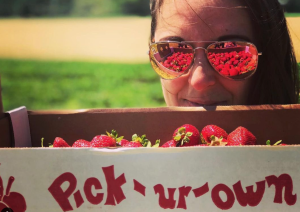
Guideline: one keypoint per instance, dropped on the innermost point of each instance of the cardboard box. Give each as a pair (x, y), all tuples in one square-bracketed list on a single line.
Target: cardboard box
[(257, 178)]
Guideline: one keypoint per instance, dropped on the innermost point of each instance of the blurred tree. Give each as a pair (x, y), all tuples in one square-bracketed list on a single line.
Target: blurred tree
[(136, 7), (78, 8), (6, 8), (292, 6), (85, 8), (60, 7), (35, 8)]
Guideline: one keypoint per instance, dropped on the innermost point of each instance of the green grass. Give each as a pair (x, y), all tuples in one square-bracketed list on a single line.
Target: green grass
[(292, 14), (76, 85)]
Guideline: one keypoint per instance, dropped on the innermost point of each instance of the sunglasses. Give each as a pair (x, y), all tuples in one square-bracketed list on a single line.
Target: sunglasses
[(236, 60)]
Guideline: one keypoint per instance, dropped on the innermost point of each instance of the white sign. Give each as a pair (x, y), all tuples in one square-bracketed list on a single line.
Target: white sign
[(150, 179)]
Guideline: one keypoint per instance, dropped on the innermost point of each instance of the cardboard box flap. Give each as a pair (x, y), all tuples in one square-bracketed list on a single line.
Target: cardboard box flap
[(20, 126), (266, 122)]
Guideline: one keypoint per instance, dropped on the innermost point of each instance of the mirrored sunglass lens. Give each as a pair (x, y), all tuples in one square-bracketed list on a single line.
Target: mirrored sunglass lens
[(235, 60), (171, 60)]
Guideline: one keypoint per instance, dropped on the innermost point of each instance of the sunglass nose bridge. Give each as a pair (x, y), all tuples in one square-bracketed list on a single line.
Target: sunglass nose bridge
[(200, 48)]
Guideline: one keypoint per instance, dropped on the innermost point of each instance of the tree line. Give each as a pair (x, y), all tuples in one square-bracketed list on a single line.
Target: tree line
[(76, 8), (90, 8)]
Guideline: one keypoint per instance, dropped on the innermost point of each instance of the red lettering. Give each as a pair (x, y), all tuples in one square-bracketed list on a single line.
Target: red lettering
[(162, 200), (215, 195), (139, 187), (89, 183), (114, 190), (78, 199), (285, 181), (249, 198), (201, 190), (183, 192), (61, 196)]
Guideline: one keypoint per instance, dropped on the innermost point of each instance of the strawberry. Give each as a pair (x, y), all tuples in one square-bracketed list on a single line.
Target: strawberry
[(59, 142), (81, 143), (241, 136), (138, 141), (202, 145), (103, 141), (122, 142), (109, 140), (170, 143), (133, 144), (212, 130), (186, 135)]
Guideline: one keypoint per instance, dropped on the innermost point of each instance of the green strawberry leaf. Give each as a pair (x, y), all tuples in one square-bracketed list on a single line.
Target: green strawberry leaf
[(278, 142), (134, 137), (177, 137), (148, 144), (157, 142), (181, 130), (119, 139), (189, 134)]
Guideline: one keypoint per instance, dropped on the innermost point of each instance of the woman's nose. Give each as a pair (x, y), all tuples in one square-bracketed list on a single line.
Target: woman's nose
[(202, 74)]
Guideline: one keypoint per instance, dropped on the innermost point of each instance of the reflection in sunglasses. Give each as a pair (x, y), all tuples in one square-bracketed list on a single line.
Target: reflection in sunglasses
[(233, 63), (178, 62)]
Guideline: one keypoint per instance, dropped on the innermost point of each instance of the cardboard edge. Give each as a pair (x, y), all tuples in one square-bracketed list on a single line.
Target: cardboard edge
[(21, 128), (168, 109)]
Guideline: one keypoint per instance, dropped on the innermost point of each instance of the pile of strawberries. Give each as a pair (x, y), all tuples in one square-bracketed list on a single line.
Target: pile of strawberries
[(108, 140), (178, 61), (185, 135), (233, 63)]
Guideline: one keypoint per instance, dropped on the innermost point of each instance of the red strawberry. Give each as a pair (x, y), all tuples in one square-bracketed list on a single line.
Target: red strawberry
[(170, 143), (59, 142), (138, 141), (81, 143), (201, 145), (214, 130), (187, 135), (133, 144), (241, 136), (103, 141), (122, 142)]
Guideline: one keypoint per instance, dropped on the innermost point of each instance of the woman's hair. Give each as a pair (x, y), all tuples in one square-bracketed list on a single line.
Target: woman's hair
[(276, 80)]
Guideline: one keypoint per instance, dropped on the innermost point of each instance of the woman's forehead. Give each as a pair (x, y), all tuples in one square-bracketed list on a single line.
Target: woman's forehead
[(208, 19), (193, 9)]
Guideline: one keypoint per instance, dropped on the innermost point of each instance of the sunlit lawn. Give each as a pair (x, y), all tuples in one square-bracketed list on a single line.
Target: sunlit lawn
[(292, 14), (77, 85)]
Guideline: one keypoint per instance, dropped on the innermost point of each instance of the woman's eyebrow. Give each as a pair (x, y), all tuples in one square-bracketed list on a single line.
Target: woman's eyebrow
[(171, 38), (233, 37)]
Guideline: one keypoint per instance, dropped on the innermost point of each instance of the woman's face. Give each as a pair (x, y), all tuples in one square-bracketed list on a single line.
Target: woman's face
[(204, 20)]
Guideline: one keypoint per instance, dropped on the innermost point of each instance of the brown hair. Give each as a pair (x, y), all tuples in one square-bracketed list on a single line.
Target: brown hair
[(277, 77)]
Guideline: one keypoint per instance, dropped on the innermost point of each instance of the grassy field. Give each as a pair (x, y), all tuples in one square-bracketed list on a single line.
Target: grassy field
[(78, 85), (292, 14)]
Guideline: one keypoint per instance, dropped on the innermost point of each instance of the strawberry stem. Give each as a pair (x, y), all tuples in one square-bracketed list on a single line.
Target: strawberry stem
[(278, 142)]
